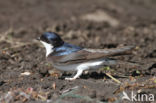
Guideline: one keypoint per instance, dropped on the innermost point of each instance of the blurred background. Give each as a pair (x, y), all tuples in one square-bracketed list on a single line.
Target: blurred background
[(87, 23)]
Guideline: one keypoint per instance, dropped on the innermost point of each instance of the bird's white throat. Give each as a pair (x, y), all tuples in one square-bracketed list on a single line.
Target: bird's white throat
[(48, 47)]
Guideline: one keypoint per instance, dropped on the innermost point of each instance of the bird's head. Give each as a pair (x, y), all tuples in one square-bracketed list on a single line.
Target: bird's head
[(50, 40)]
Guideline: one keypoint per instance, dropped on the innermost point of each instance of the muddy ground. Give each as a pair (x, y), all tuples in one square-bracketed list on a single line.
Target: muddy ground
[(87, 23)]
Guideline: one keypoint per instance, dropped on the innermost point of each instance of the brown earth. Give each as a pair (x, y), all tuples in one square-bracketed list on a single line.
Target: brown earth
[(87, 23)]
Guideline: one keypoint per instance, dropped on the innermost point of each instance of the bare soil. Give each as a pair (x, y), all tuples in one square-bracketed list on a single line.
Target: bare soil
[(87, 23)]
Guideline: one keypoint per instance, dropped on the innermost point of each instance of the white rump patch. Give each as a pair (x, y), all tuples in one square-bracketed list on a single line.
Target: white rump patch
[(97, 50)]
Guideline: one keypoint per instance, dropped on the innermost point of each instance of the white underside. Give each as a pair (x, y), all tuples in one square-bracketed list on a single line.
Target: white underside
[(48, 47), (82, 66), (88, 65)]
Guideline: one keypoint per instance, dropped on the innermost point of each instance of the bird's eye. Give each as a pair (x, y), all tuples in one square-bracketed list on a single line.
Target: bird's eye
[(54, 41)]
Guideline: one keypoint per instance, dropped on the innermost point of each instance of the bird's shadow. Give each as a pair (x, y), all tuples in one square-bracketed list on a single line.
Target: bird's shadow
[(96, 75), (93, 75)]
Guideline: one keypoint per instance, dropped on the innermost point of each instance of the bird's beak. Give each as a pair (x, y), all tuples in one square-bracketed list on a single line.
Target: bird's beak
[(38, 39)]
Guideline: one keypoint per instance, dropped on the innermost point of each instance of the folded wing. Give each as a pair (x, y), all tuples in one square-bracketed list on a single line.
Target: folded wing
[(94, 54)]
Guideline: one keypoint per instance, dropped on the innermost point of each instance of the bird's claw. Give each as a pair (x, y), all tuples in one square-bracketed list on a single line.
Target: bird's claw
[(70, 79)]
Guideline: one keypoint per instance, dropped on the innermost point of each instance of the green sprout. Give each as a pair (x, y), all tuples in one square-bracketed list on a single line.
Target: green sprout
[(48, 64), (154, 80), (107, 68), (137, 71)]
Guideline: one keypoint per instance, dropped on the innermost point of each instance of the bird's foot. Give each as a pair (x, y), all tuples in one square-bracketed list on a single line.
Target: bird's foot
[(79, 72), (70, 79)]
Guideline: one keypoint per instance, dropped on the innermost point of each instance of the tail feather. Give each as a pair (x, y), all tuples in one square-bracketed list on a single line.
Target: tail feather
[(111, 62), (121, 50), (113, 52)]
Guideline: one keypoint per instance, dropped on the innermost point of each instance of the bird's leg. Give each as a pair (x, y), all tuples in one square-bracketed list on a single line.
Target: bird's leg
[(79, 72)]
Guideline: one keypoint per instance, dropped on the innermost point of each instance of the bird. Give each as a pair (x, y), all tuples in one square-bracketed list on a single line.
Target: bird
[(68, 57)]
